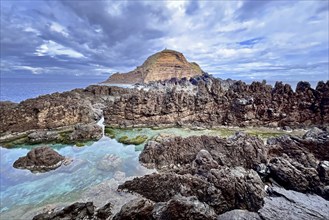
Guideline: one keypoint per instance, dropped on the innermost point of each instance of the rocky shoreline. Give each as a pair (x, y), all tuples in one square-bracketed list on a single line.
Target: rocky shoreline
[(199, 177), (200, 102), (207, 177)]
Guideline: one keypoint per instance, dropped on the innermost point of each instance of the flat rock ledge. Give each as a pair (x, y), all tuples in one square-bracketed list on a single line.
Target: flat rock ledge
[(41, 159)]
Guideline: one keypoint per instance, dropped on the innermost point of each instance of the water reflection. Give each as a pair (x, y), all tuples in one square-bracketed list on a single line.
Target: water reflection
[(91, 166)]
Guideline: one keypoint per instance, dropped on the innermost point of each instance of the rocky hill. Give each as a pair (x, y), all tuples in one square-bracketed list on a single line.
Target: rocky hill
[(163, 65)]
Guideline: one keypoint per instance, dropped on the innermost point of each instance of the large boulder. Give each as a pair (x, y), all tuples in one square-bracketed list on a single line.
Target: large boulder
[(40, 159)]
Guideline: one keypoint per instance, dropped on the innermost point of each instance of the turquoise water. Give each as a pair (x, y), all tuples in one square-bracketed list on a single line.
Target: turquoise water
[(21, 187)]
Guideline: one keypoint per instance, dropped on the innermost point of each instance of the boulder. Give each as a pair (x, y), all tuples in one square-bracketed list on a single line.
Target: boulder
[(137, 209), (40, 159), (78, 211), (181, 208)]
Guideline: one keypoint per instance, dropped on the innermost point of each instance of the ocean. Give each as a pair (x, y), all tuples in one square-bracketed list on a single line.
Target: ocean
[(17, 89)]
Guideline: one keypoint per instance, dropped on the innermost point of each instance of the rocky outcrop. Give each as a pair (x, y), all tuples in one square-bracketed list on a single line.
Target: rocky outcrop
[(288, 204), (179, 207), (210, 103), (294, 163), (163, 65), (241, 150), (202, 101), (78, 211), (223, 189), (136, 209), (40, 159)]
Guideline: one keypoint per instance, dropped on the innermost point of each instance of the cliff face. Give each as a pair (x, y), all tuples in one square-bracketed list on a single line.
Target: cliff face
[(163, 65), (209, 103)]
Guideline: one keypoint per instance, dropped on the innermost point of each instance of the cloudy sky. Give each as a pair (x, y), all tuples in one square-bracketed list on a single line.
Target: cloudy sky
[(263, 39)]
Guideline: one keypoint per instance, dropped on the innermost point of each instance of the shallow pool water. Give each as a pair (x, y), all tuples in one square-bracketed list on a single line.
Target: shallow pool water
[(89, 168), (92, 176)]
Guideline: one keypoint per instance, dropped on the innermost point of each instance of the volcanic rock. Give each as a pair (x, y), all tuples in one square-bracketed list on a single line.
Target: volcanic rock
[(163, 65), (40, 159), (78, 211), (137, 209), (240, 150), (239, 214), (288, 204), (223, 190)]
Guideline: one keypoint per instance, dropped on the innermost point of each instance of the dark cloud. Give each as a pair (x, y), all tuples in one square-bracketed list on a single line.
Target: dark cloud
[(192, 7), (95, 37)]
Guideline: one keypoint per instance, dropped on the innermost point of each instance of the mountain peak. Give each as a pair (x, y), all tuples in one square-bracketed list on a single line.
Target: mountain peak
[(163, 65)]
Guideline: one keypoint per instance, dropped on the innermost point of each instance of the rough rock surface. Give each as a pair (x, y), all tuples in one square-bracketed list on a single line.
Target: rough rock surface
[(40, 159), (211, 104), (288, 204), (136, 209), (78, 211), (179, 208), (163, 65), (85, 132), (241, 150), (239, 214), (223, 190), (205, 102)]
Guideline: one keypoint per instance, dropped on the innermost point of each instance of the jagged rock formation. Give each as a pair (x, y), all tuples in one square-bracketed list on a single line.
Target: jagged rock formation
[(209, 172), (163, 65), (40, 159), (202, 101), (294, 163), (210, 105), (78, 211)]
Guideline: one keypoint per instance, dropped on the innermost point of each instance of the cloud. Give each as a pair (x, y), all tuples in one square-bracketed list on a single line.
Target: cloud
[(51, 48), (236, 39)]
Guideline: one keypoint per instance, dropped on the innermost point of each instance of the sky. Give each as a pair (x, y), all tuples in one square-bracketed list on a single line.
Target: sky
[(248, 40)]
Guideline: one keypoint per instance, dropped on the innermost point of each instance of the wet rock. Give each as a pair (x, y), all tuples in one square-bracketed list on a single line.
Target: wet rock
[(40, 159), (137, 209), (41, 136), (85, 132), (223, 190), (78, 211), (323, 169), (181, 208), (241, 150), (315, 133), (109, 162), (203, 163), (239, 214), (293, 175), (288, 204)]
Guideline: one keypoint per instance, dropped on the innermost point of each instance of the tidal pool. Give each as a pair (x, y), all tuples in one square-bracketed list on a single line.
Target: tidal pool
[(96, 171), (103, 162)]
